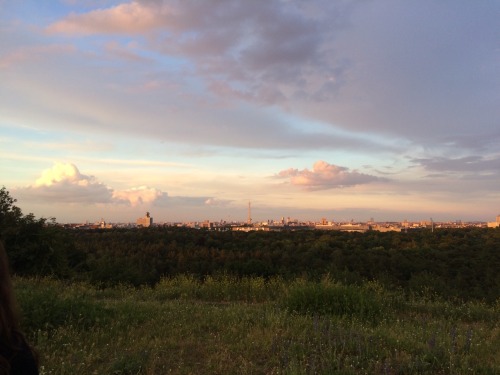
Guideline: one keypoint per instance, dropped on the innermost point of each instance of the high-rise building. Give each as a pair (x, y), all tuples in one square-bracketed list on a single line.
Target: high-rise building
[(145, 221), (495, 224)]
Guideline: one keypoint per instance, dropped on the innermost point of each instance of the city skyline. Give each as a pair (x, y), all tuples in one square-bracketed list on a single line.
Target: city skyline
[(190, 110)]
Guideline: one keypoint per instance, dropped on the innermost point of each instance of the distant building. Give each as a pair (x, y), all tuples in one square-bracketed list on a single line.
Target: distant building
[(387, 227), (494, 224), (145, 221), (104, 225), (207, 224), (346, 227)]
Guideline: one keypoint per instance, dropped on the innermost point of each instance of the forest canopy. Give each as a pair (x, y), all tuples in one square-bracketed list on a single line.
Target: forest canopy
[(452, 263)]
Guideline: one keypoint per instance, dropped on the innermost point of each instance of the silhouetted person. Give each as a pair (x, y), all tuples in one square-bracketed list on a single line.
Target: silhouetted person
[(16, 356)]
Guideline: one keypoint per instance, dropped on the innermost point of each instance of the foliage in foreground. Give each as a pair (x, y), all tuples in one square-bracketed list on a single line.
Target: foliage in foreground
[(227, 325)]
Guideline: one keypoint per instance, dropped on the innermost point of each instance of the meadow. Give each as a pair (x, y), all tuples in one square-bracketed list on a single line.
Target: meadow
[(252, 325)]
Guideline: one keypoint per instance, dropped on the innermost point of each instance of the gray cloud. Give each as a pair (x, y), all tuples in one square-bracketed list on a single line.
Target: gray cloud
[(415, 70), (425, 72), (257, 47), (475, 164), (67, 192)]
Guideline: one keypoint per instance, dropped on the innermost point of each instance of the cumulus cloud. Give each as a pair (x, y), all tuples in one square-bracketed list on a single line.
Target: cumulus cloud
[(325, 176), (61, 172), (64, 182)]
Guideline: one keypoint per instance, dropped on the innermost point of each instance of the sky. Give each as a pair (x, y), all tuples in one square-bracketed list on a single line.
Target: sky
[(346, 110)]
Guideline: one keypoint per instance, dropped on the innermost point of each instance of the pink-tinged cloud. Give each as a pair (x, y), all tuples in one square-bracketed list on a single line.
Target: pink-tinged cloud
[(128, 18), (325, 176), (139, 195)]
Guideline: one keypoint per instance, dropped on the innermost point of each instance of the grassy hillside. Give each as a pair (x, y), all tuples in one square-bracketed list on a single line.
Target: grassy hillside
[(228, 325)]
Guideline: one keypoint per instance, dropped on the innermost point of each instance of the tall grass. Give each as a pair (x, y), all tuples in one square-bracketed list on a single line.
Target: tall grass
[(333, 298), (226, 325), (220, 288)]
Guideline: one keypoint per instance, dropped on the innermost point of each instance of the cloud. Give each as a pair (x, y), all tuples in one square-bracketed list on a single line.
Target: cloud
[(139, 195), (127, 52), (339, 63), (263, 52), (476, 164), (325, 176), (34, 54), (281, 77), (64, 183), (216, 202), (127, 18), (426, 71), (63, 172)]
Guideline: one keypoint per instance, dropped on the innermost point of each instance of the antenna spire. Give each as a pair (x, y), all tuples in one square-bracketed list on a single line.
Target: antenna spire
[(249, 219)]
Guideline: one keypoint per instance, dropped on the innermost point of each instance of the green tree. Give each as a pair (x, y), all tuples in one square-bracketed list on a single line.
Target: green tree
[(35, 246), (10, 215)]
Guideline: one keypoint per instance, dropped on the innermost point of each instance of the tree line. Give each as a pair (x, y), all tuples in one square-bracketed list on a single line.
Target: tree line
[(452, 263)]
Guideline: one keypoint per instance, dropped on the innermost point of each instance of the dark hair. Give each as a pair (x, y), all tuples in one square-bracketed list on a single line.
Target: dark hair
[(11, 338), (9, 313)]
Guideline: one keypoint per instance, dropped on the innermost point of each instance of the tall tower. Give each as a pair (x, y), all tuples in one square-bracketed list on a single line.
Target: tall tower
[(249, 219)]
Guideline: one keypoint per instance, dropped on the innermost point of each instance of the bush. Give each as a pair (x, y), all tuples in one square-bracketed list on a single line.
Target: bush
[(328, 298), (47, 308)]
